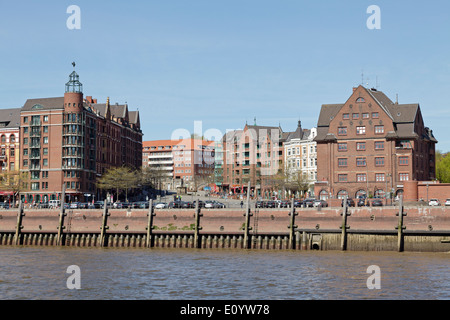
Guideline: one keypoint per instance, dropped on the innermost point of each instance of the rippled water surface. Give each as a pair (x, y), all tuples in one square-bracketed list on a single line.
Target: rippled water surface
[(111, 273)]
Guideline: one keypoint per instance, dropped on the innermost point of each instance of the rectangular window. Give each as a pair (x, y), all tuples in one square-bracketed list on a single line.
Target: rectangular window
[(361, 162), (345, 116), (342, 131), (342, 162), (45, 151), (360, 130), (25, 119), (25, 130), (379, 145), (45, 129), (375, 115), (355, 116), (342, 146), (45, 118), (25, 152), (45, 140), (35, 186), (379, 161), (403, 161), (342, 178), (361, 177), (379, 177), (25, 140), (404, 176), (361, 146), (45, 162), (365, 116), (25, 162), (379, 129)]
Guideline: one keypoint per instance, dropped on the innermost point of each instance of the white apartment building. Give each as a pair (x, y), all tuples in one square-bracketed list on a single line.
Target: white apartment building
[(300, 156)]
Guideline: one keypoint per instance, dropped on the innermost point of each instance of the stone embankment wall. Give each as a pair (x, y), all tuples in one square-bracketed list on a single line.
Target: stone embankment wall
[(366, 229)]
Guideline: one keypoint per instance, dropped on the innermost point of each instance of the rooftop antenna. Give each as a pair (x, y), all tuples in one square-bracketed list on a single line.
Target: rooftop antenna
[(255, 121)]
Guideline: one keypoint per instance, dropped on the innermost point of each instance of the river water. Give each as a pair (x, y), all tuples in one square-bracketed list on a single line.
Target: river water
[(37, 273)]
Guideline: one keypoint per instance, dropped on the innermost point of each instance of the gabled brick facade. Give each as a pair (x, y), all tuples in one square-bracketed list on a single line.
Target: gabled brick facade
[(370, 145)]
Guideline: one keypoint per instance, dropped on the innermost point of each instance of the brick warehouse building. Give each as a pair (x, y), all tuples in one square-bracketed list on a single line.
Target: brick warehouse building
[(72, 141), (254, 154), (370, 145)]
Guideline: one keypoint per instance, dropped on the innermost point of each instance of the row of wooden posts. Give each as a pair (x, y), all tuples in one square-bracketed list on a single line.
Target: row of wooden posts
[(197, 228)]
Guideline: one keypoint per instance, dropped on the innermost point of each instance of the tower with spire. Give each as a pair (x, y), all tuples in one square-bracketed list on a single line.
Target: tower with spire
[(73, 96)]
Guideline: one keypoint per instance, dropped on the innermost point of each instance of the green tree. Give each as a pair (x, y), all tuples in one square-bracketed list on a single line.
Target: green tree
[(443, 167), (119, 179), (15, 182)]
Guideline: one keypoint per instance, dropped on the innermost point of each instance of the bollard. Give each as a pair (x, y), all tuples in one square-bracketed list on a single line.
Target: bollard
[(344, 226), (400, 227)]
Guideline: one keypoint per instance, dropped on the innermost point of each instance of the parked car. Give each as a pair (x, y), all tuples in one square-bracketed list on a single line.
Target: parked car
[(350, 202), (377, 203), (447, 202), (259, 204), (298, 203), (270, 204), (201, 204), (175, 204), (308, 203), (74, 205), (98, 204), (160, 205), (434, 202), (285, 204), (4, 205), (54, 203), (320, 203)]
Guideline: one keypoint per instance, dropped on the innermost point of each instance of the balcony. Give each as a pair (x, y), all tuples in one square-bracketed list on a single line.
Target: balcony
[(35, 167)]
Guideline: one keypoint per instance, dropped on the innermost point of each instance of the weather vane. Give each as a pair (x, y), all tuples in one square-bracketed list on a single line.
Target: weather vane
[(73, 63)]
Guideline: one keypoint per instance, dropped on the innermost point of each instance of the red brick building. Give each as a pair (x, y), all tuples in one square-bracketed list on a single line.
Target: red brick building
[(254, 154), (370, 145), (72, 141), (183, 163)]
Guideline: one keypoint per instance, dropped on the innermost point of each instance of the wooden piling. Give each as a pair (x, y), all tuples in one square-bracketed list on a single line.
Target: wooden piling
[(103, 227), (292, 226), (151, 214), (344, 226), (400, 227), (19, 226)]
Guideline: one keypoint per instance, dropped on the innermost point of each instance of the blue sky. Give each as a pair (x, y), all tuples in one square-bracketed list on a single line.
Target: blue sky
[(227, 62)]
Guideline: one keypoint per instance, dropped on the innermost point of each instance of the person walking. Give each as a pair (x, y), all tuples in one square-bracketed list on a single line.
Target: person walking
[(242, 203)]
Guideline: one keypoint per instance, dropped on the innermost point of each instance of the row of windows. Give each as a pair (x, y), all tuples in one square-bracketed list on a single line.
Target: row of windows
[(379, 177), (379, 161), (361, 146), (12, 139), (294, 151), (357, 116), (342, 131)]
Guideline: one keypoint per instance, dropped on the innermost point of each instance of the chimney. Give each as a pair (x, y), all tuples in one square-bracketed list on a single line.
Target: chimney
[(354, 89)]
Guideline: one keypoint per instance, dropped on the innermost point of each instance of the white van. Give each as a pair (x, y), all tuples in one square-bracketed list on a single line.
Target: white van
[(54, 203)]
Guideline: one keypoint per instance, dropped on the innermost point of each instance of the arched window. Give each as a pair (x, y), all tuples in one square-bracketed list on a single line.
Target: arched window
[(12, 138), (3, 138), (360, 194), (379, 193), (341, 194), (360, 99), (323, 195)]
